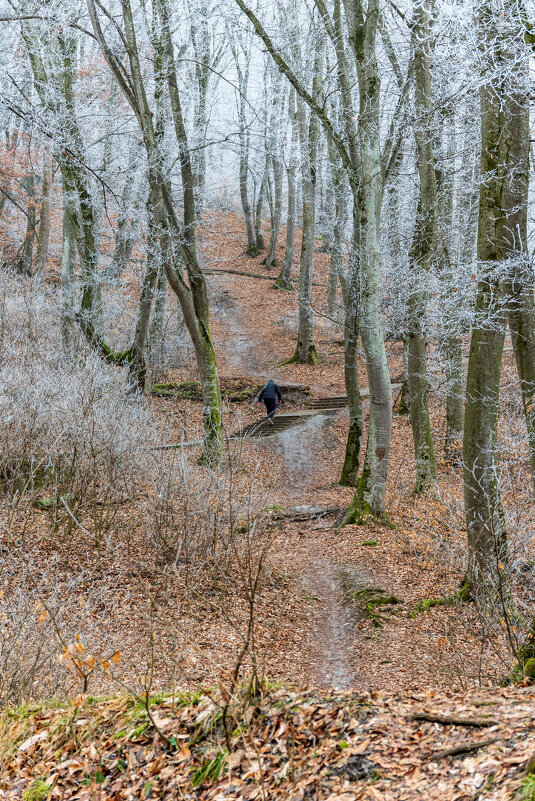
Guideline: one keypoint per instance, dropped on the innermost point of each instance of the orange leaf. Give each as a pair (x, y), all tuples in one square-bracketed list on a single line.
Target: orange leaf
[(117, 658)]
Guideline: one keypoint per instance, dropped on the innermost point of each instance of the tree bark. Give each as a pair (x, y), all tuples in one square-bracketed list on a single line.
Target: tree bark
[(68, 267), (44, 221), (25, 262), (350, 469), (487, 539), (422, 251), (193, 296), (284, 281), (369, 498), (519, 285), (305, 352)]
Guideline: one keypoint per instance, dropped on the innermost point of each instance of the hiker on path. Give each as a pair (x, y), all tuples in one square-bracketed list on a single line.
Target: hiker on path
[(271, 395)]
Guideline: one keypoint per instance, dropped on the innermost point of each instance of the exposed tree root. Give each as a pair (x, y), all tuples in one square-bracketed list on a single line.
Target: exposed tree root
[(425, 604), (376, 604)]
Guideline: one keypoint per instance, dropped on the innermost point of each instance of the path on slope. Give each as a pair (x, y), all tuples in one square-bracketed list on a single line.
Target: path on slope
[(331, 627)]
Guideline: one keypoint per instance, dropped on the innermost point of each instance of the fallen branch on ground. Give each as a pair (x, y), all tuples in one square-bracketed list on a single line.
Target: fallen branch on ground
[(464, 748), (218, 271), (453, 720)]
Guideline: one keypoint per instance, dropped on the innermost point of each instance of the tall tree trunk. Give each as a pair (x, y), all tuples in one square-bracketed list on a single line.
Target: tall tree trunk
[(284, 281), (487, 539), (305, 352), (452, 297), (422, 251), (277, 166), (370, 495), (44, 221), (243, 83), (519, 285)]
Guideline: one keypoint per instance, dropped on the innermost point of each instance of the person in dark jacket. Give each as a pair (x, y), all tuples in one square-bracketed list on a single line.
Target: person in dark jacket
[(270, 394)]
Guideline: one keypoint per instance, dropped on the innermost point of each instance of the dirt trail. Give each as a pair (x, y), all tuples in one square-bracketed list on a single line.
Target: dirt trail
[(331, 625)]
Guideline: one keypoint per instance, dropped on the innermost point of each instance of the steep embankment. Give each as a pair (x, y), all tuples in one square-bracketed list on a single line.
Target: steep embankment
[(286, 746)]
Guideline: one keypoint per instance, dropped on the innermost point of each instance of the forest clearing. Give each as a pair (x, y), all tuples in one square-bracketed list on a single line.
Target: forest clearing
[(267, 442)]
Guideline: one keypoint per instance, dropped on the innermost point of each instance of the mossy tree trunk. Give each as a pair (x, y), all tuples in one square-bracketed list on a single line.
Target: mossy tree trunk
[(487, 540), (370, 495), (137, 364), (192, 295), (55, 80), (422, 251)]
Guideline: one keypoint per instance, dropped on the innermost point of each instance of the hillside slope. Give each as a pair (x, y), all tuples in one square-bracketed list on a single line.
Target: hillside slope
[(286, 745)]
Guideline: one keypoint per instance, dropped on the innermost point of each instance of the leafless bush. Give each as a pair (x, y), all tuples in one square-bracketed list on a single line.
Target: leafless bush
[(70, 432), (54, 630), (200, 515)]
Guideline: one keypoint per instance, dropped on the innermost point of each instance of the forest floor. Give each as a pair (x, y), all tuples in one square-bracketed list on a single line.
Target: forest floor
[(329, 641), (311, 626)]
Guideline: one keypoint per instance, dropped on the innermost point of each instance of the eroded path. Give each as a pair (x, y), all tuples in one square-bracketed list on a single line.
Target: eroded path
[(299, 439)]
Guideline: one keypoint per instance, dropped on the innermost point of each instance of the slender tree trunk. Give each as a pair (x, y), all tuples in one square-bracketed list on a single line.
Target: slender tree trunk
[(137, 363), (284, 281), (244, 196), (349, 477), (44, 222), (127, 222), (25, 263), (68, 268), (422, 251), (336, 271), (259, 237), (271, 258), (305, 352), (452, 300)]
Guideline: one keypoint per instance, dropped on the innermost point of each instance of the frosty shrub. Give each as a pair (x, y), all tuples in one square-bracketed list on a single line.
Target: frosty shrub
[(71, 434)]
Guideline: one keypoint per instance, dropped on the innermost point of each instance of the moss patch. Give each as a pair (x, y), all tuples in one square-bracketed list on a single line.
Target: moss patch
[(37, 792)]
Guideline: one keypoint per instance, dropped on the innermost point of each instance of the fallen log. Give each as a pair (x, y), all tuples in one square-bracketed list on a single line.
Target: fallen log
[(454, 720), (301, 517)]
